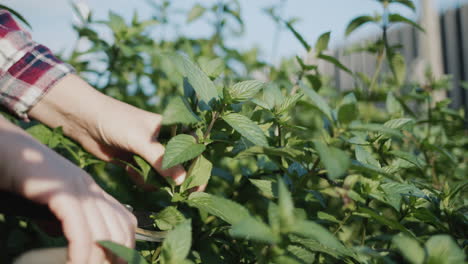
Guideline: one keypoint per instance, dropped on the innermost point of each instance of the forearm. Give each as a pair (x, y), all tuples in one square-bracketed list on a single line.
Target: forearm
[(16, 147)]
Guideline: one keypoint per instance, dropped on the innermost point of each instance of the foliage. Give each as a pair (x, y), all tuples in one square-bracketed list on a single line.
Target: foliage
[(298, 171)]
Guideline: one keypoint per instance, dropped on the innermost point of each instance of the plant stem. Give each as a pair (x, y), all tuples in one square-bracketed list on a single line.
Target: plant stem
[(380, 60), (214, 117)]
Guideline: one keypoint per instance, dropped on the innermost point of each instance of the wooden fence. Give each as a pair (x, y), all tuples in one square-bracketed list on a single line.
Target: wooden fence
[(454, 38)]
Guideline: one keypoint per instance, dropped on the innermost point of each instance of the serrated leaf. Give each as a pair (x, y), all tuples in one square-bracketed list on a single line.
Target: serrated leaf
[(317, 232), (318, 101), (410, 248), (347, 113), (393, 105), (212, 67), (198, 174), (145, 167), (285, 152), (128, 254), (285, 206), (327, 217), (322, 42), (408, 157), (378, 128), (336, 161), (407, 3), (399, 123), (177, 243), (335, 62), (196, 12), (398, 65), (298, 36), (288, 103), (181, 148), (365, 157), (442, 249), (246, 90), (385, 220), (229, 211), (397, 18), (178, 111), (393, 192), (358, 22), (247, 128), (203, 86), (168, 218), (253, 229), (268, 188)]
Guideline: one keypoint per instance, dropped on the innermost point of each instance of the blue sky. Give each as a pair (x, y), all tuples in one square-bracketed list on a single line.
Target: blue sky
[(51, 20)]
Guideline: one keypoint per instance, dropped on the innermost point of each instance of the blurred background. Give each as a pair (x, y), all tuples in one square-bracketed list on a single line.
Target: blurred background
[(443, 46)]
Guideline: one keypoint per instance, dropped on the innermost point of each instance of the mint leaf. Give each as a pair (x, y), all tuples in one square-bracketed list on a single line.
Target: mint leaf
[(199, 173), (181, 148), (246, 128)]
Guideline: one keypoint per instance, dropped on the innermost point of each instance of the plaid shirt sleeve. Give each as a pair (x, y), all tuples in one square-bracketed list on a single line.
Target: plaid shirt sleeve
[(27, 69)]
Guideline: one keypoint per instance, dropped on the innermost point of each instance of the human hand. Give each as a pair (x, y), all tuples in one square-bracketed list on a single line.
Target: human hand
[(86, 212), (105, 127)]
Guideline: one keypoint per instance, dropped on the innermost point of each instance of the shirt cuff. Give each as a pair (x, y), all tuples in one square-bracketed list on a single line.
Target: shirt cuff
[(30, 78)]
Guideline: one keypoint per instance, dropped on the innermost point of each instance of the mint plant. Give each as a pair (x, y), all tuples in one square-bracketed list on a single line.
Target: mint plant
[(297, 171)]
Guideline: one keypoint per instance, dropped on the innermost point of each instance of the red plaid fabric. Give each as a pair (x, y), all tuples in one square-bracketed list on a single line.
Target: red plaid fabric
[(27, 69)]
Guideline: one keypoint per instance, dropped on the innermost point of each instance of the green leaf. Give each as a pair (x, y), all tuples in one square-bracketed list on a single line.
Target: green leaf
[(327, 217), (203, 86), (365, 157), (246, 90), (253, 229), (298, 36), (129, 255), (176, 245), (229, 211), (288, 103), (397, 18), (322, 42), (378, 128), (358, 22), (398, 65), (16, 14), (116, 22), (318, 101), (268, 188), (408, 157), (347, 113), (195, 13), (442, 249), (393, 105), (212, 68), (247, 128), (285, 152), (178, 111), (393, 193), (181, 148), (199, 173), (410, 248), (321, 235), (285, 206), (168, 218), (336, 161), (335, 62), (407, 3), (399, 123), (393, 224), (144, 167)]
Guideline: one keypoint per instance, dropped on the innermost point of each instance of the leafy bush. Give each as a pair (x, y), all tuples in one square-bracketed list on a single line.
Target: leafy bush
[(298, 171)]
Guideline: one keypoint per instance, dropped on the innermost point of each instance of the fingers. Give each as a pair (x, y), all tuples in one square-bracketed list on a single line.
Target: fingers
[(92, 217), (153, 153)]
